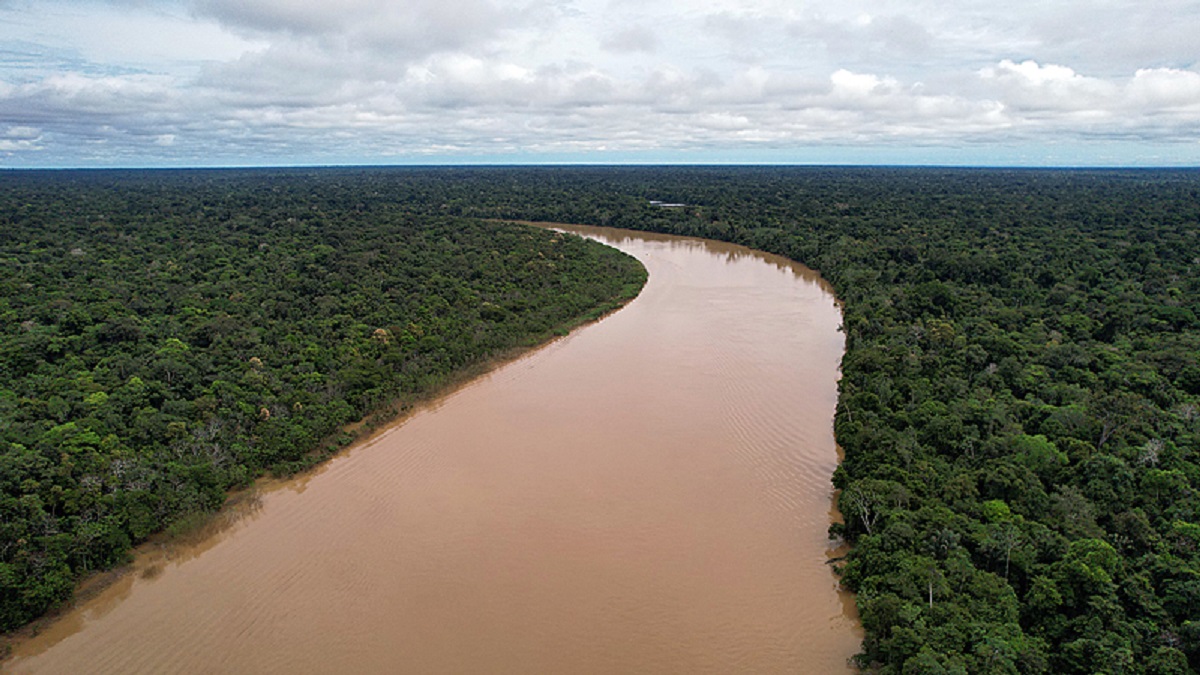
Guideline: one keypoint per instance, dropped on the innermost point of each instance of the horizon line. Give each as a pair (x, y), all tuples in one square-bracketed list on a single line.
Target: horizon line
[(526, 165)]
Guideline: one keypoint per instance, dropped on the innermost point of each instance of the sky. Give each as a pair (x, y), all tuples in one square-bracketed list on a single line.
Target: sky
[(147, 83)]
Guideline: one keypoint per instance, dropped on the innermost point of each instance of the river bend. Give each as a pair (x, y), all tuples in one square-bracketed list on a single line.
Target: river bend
[(650, 494)]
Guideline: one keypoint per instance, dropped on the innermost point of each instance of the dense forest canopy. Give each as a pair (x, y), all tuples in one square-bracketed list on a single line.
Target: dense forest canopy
[(167, 336), (1020, 400), (1019, 408), (1019, 397)]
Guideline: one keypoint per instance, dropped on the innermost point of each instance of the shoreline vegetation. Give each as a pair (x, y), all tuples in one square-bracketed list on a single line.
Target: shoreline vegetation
[(1019, 406), (168, 340), (242, 500), (1019, 396)]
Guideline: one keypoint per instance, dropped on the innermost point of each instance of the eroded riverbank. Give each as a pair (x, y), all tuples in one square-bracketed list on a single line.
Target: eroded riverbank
[(650, 494)]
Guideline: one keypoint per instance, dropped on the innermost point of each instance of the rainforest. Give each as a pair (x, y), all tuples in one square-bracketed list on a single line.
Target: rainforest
[(1019, 403), (168, 337)]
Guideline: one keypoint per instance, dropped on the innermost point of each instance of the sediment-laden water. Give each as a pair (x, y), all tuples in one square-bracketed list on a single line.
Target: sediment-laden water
[(647, 495)]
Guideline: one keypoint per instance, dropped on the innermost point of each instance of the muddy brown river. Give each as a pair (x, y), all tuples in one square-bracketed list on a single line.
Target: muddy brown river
[(650, 494)]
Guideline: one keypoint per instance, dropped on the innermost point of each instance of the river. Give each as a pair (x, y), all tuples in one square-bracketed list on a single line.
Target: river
[(649, 494)]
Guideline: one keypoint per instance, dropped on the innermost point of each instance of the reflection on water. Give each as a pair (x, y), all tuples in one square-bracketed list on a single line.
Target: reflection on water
[(649, 494)]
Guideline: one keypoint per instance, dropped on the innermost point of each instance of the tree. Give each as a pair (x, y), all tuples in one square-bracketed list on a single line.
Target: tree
[(866, 501)]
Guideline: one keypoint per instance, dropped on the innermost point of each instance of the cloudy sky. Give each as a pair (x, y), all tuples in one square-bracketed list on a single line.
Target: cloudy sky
[(270, 82)]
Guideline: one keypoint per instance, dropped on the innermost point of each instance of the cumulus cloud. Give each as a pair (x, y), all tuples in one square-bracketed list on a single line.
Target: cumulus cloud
[(79, 101), (367, 80), (859, 87), (1030, 86), (19, 138), (1165, 89), (1161, 102)]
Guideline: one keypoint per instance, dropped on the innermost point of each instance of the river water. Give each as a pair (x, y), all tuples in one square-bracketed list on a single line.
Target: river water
[(649, 494)]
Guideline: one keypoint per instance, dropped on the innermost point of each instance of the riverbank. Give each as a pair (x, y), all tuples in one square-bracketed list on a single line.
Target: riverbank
[(184, 532), (651, 493)]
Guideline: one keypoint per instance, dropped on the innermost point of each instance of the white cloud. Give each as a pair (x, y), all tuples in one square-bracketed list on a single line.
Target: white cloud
[(1165, 89), (856, 86), (1032, 87), (276, 80), (1159, 102), (75, 96), (20, 139)]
